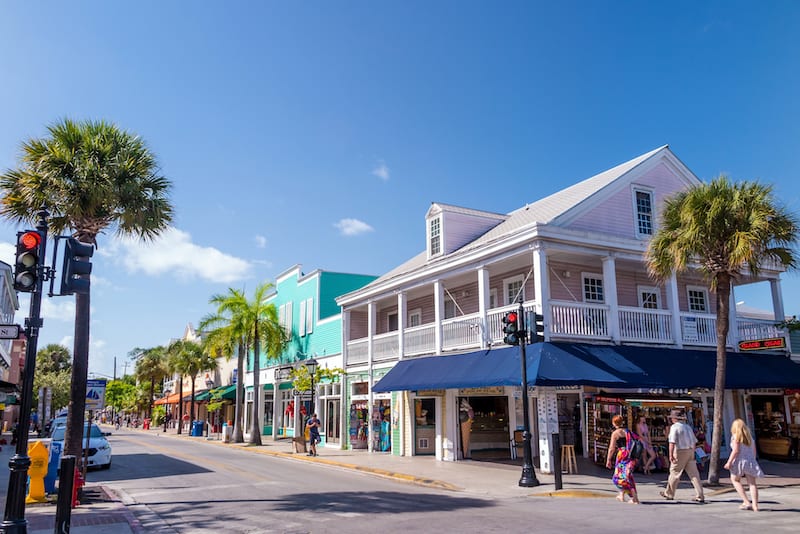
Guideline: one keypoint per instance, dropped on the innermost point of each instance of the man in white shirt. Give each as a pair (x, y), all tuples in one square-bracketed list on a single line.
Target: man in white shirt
[(682, 443)]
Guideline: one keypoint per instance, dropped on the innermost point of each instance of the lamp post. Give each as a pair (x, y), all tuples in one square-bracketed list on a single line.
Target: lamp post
[(167, 392), (312, 365), (528, 478)]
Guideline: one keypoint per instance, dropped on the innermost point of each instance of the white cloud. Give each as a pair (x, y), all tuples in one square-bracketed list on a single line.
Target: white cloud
[(173, 251), (261, 241), (381, 171), (66, 341), (58, 309), (352, 227)]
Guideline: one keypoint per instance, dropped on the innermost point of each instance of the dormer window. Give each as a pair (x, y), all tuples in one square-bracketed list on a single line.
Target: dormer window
[(643, 201), (435, 236)]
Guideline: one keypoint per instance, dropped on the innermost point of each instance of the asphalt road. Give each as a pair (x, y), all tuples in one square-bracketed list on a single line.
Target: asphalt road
[(186, 486)]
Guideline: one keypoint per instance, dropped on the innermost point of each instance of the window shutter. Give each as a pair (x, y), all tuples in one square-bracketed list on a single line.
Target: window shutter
[(302, 318), (309, 316)]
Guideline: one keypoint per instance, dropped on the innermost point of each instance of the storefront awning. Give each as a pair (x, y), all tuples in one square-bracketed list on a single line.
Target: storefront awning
[(575, 364), (172, 399), (547, 365), (222, 392)]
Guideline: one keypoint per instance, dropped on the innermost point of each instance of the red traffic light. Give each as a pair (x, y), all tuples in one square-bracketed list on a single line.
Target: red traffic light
[(511, 317), (30, 240)]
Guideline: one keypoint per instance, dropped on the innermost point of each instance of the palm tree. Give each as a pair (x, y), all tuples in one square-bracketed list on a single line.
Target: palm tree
[(91, 176), (226, 332), (190, 359), (151, 367), (725, 229)]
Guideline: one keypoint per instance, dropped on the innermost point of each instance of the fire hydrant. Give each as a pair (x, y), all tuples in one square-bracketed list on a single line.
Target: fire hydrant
[(77, 484), (38, 469)]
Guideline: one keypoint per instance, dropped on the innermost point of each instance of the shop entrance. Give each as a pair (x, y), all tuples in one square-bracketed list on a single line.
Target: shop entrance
[(772, 431), (569, 420), (332, 434), (382, 425), (424, 426), (487, 435)]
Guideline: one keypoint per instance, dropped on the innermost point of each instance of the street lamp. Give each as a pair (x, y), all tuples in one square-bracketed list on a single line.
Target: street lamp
[(167, 391), (312, 365)]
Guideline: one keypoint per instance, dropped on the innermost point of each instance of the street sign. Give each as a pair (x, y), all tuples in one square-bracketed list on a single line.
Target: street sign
[(95, 394), (9, 331), (763, 344)]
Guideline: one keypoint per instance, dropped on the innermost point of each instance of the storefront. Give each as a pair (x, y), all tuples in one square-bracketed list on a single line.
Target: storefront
[(774, 416), (425, 419), (486, 434), (601, 408)]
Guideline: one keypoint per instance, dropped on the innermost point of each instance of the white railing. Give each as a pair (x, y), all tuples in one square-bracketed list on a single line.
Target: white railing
[(357, 351), (645, 325), (419, 340), (462, 332), (386, 347), (577, 319), (748, 329)]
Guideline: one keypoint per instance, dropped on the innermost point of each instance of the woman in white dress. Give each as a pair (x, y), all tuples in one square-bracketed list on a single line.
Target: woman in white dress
[(742, 463)]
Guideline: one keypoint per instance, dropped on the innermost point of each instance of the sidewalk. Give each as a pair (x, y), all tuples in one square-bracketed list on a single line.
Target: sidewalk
[(105, 513)]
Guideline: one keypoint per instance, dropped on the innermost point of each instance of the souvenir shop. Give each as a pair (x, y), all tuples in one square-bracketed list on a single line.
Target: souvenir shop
[(365, 422), (601, 408), (774, 416)]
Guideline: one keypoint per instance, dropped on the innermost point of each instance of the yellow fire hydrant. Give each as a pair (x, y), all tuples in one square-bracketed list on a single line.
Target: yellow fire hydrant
[(39, 455)]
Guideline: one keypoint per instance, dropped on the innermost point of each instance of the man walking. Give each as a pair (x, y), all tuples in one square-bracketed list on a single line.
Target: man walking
[(681, 457)]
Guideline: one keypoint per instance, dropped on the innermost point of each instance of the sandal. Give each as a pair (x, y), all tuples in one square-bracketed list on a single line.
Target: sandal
[(744, 506), (700, 500), (663, 494)]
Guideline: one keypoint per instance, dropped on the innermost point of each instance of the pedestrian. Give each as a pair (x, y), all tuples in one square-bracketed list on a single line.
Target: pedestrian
[(619, 459), (644, 436), (313, 434), (742, 463), (682, 443)]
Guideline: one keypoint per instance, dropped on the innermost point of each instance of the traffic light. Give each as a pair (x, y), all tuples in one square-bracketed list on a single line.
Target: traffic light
[(26, 268), (77, 267), (511, 328), (537, 333)]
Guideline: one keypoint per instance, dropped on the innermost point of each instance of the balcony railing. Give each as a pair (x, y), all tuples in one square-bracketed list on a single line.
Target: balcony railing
[(569, 320)]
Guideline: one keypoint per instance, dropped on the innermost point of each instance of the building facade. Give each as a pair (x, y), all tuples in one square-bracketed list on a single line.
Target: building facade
[(418, 339)]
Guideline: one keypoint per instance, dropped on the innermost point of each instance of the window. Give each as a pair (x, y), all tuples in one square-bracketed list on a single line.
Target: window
[(436, 236), (285, 318), (449, 308), (309, 316), (649, 298), (493, 298), (644, 213), (513, 289), (415, 317), (593, 288), (392, 320), (698, 299)]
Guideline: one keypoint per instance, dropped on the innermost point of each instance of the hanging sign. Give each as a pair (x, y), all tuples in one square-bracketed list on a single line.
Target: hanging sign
[(9, 331), (763, 344)]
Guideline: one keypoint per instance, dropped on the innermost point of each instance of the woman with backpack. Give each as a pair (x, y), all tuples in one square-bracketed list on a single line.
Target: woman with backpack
[(619, 459)]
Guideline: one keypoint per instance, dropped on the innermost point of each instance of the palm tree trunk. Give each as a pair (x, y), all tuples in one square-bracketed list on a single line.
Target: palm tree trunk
[(80, 370), (255, 431), (191, 404), (180, 403), (238, 432), (723, 326)]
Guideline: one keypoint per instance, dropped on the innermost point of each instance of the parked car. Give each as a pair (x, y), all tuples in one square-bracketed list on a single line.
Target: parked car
[(54, 423), (99, 452)]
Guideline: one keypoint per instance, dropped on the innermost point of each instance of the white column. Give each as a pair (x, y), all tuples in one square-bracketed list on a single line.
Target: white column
[(370, 381), (345, 335), (438, 306), (450, 439), (610, 285), (548, 425), (483, 305), (402, 317), (733, 322), (777, 300), (541, 283), (673, 304)]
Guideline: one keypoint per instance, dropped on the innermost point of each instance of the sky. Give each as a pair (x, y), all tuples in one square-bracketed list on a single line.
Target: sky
[(319, 133)]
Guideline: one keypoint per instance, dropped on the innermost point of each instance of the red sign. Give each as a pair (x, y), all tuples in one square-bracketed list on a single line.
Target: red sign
[(763, 344)]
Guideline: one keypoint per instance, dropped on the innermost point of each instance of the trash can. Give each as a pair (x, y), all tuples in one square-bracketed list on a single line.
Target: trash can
[(146, 424), (197, 428)]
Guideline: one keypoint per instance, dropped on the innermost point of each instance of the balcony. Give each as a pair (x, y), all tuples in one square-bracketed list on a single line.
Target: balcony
[(569, 321)]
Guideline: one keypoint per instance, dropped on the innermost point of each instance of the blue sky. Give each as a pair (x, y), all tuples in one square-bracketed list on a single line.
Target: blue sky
[(319, 133)]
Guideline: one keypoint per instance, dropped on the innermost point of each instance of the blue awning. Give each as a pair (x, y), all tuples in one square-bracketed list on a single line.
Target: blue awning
[(547, 365), (575, 364)]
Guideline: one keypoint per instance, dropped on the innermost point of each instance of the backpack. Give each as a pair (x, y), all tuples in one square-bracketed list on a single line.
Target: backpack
[(636, 449)]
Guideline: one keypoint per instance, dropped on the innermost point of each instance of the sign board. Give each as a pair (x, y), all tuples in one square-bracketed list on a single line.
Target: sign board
[(763, 344), (9, 331), (690, 330), (95, 394)]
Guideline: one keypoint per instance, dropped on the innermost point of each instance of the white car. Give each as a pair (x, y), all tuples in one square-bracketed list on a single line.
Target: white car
[(99, 452)]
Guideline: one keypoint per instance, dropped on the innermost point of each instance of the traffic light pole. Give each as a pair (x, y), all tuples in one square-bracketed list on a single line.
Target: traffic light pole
[(14, 521), (528, 478)]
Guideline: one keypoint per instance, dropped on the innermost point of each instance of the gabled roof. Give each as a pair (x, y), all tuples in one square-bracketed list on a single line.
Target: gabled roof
[(438, 207)]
